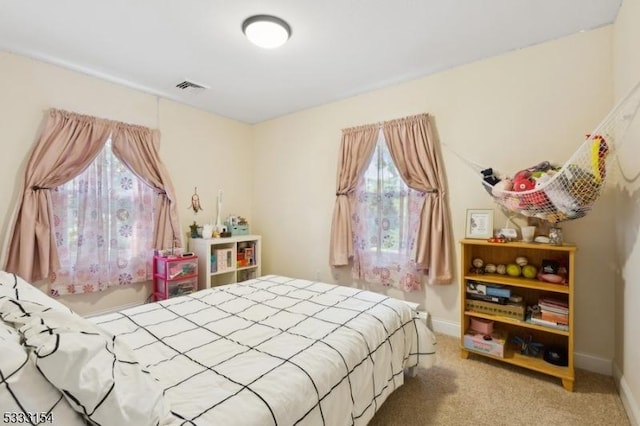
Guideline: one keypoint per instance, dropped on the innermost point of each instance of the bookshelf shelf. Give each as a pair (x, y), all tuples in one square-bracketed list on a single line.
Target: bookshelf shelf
[(507, 320), (532, 363), (530, 290), (519, 282)]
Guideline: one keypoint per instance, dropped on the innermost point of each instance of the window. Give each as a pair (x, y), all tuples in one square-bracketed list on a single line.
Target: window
[(385, 220), (103, 223)]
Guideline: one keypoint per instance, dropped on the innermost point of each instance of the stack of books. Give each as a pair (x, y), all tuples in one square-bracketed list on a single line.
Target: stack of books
[(478, 290), (493, 299), (554, 312)]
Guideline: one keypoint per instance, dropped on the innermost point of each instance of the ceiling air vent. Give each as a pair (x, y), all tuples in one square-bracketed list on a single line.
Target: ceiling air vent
[(191, 87)]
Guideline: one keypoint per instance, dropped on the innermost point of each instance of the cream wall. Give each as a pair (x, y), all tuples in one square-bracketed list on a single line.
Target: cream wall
[(198, 148), (508, 112), (627, 320)]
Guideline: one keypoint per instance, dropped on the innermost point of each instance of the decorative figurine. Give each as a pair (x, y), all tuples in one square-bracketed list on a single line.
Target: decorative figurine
[(195, 201), (194, 230)]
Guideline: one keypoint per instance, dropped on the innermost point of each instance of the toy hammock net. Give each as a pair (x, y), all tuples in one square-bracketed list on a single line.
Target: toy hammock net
[(557, 194)]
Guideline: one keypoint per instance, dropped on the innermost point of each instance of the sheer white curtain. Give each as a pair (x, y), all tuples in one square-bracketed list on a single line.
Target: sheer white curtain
[(385, 220), (103, 224)]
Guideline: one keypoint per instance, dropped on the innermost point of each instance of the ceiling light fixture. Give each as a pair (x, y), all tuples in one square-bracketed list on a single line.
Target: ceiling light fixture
[(266, 31)]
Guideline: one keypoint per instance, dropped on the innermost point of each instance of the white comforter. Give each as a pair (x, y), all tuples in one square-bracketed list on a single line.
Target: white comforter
[(275, 350)]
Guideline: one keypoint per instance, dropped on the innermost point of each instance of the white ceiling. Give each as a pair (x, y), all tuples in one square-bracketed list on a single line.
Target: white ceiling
[(339, 48)]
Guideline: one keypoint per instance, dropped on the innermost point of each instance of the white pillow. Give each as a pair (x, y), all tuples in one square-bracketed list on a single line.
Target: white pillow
[(98, 374), (14, 287), (8, 334), (24, 392)]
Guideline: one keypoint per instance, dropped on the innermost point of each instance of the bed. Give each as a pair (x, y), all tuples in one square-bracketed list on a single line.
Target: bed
[(272, 350)]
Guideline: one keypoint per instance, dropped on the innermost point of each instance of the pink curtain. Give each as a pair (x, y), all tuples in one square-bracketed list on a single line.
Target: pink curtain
[(356, 148), (137, 147), (68, 144), (414, 152)]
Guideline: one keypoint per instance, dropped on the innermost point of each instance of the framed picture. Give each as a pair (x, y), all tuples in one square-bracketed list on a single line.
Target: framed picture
[(479, 223)]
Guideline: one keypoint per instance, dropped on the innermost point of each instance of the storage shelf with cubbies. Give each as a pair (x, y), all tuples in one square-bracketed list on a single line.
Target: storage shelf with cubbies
[(227, 260)]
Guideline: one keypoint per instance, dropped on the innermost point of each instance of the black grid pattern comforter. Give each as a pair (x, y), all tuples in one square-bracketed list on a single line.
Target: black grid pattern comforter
[(275, 350)]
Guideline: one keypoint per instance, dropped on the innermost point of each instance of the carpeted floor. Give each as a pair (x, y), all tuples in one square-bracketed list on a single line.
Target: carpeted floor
[(480, 391)]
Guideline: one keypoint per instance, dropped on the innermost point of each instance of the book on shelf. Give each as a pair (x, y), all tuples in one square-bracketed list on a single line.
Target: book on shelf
[(553, 306), (559, 311), (479, 287), (553, 310), (536, 318), (554, 317), (553, 302)]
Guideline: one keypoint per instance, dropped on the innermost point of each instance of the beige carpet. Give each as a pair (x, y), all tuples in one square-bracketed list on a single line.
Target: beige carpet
[(481, 391)]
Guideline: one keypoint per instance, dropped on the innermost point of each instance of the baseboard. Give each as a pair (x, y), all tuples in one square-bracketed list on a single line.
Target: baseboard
[(628, 401), (593, 363), (581, 360), (447, 328)]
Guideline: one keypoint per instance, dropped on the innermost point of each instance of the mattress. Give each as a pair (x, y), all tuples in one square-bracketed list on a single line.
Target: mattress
[(275, 351)]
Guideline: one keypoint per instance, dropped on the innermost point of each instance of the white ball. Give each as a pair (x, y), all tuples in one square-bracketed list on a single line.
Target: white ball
[(521, 260), (490, 268), (501, 269), (478, 263)]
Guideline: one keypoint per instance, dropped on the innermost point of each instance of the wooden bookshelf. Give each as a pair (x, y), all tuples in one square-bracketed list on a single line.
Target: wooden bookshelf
[(530, 290)]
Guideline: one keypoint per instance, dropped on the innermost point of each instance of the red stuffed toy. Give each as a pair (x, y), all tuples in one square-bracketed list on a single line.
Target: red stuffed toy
[(524, 181)]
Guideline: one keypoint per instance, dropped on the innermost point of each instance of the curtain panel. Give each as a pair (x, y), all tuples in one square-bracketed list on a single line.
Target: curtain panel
[(356, 148), (138, 148), (414, 152), (68, 143)]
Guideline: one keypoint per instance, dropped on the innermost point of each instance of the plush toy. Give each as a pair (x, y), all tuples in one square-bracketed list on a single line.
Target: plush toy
[(489, 176), (584, 190), (522, 181), (599, 151), (538, 200), (534, 201), (541, 167), (490, 179), (499, 188), (582, 186), (559, 197)]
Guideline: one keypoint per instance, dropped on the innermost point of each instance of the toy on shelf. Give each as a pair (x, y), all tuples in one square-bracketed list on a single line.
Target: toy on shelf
[(527, 345)]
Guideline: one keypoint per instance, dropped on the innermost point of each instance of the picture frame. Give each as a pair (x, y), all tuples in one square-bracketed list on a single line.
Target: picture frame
[(479, 223)]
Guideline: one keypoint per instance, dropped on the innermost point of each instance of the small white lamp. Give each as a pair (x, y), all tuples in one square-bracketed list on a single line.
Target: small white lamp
[(266, 31)]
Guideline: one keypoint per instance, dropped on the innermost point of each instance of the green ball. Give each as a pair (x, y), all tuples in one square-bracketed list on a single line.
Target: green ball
[(529, 271), (514, 270)]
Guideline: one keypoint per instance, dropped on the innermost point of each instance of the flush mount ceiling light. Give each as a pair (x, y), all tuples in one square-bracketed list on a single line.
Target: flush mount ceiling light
[(266, 31)]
